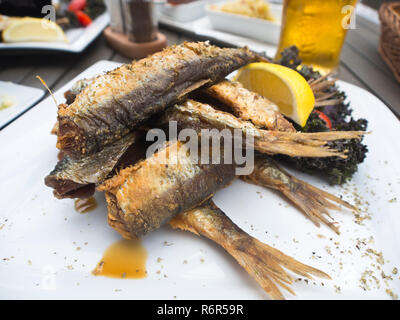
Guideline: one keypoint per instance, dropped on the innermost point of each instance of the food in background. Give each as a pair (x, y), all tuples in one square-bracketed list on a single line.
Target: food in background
[(33, 29), (69, 14), (6, 21), (250, 8), (78, 13), (6, 102)]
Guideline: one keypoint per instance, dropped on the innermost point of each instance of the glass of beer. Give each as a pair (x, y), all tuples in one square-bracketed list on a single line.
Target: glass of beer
[(318, 28)]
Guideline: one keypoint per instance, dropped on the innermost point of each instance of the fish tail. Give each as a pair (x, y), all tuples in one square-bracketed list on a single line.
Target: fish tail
[(297, 144), (265, 264), (313, 202), (296, 149), (329, 135)]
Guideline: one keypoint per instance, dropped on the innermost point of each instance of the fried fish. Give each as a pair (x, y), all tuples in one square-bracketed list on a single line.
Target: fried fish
[(77, 178), (248, 105), (112, 104), (199, 115), (312, 201), (142, 197), (262, 262)]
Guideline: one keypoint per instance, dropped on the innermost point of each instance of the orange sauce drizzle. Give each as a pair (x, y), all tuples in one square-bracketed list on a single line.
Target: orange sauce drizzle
[(123, 259)]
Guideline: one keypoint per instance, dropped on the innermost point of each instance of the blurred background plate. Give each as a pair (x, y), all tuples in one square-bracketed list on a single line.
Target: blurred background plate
[(225, 29), (254, 28), (21, 97), (184, 12), (79, 39)]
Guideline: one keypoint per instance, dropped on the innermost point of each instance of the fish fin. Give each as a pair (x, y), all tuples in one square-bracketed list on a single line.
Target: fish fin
[(193, 87), (326, 135), (295, 149), (54, 130), (312, 201), (265, 264), (179, 222)]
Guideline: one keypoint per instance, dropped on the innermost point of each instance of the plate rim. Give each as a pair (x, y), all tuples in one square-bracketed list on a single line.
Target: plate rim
[(37, 94)]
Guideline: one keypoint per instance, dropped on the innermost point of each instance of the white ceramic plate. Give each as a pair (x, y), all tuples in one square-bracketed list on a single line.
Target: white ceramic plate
[(184, 12), (202, 28), (79, 39), (259, 29), (39, 234), (22, 97)]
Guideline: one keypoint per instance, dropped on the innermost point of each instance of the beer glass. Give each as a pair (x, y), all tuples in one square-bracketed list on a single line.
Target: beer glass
[(318, 28)]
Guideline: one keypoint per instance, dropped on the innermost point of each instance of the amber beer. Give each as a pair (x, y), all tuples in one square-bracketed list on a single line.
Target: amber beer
[(318, 28)]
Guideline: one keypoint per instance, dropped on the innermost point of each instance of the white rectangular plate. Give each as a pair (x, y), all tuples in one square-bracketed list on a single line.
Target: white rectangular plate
[(79, 39), (259, 29), (39, 234), (22, 96), (202, 28), (184, 12)]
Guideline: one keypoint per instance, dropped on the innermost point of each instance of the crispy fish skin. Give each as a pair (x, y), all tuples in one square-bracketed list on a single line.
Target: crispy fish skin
[(143, 197), (248, 105), (76, 89), (70, 96), (264, 263), (77, 178), (111, 105)]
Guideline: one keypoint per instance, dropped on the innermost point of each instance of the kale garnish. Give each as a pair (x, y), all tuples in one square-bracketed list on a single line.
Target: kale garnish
[(335, 169)]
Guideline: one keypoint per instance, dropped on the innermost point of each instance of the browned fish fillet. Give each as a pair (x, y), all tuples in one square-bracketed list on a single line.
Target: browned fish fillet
[(111, 105), (313, 202), (142, 197), (264, 263), (248, 105), (77, 178)]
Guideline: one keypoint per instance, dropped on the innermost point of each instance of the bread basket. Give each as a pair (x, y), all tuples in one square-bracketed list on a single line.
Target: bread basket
[(389, 45)]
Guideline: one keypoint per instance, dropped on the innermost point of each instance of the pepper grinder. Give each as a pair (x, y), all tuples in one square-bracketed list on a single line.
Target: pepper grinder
[(133, 29)]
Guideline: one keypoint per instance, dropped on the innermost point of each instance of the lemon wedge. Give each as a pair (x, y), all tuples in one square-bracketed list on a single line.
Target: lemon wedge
[(33, 29), (283, 86)]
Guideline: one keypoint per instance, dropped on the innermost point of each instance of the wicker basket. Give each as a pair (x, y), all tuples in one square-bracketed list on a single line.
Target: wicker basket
[(389, 45)]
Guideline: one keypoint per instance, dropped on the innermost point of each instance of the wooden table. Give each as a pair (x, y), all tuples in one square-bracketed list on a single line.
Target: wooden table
[(360, 64)]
